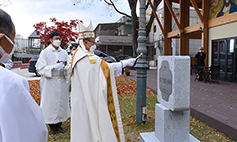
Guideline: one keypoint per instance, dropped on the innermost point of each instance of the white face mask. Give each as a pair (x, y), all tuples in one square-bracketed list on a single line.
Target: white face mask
[(5, 56), (57, 43), (92, 49)]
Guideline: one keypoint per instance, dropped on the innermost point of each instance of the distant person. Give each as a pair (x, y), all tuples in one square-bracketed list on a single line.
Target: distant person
[(200, 55), (228, 7), (8, 64), (53, 65), (21, 119), (72, 50), (200, 62)]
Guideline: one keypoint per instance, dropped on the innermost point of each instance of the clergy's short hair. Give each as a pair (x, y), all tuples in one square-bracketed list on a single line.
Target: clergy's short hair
[(6, 24), (53, 34)]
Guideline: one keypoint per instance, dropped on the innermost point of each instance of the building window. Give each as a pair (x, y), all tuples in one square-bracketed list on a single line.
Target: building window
[(154, 29), (224, 53)]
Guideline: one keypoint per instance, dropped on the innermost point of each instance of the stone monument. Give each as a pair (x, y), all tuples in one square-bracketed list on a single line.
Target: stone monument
[(172, 118)]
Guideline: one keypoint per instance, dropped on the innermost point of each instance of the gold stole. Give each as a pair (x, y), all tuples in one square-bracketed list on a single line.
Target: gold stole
[(70, 68), (110, 98)]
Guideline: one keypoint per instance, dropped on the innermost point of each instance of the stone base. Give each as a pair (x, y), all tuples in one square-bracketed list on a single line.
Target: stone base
[(150, 137), (171, 126)]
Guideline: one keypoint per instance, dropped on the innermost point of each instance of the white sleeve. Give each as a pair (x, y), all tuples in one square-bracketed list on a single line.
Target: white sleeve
[(118, 68), (42, 67)]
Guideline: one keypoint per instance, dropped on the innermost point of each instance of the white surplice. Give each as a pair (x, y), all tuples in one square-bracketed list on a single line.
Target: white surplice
[(21, 119), (90, 118), (54, 91)]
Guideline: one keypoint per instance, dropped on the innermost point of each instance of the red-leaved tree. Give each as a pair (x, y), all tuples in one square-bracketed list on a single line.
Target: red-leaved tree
[(67, 30)]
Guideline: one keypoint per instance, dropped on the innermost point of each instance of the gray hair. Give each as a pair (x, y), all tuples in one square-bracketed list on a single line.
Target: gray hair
[(6, 24)]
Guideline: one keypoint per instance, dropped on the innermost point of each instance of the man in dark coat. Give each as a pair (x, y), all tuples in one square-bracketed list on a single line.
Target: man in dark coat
[(200, 55)]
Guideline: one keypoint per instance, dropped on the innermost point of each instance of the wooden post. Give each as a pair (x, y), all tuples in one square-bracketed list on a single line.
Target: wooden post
[(205, 33), (184, 22), (167, 29)]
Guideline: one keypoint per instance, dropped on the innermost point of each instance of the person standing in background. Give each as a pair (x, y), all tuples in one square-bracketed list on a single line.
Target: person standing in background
[(53, 64), (200, 62)]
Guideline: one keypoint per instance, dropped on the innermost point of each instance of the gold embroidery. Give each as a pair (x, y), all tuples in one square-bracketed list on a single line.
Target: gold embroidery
[(110, 98), (91, 35), (92, 61), (89, 54), (70, 69), (83, 35)]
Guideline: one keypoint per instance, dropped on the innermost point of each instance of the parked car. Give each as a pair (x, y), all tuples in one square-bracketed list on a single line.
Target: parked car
[(32, 63), (102, 55), (118, 58)]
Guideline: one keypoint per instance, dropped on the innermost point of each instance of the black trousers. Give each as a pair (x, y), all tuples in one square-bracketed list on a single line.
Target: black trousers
[(55, 127)]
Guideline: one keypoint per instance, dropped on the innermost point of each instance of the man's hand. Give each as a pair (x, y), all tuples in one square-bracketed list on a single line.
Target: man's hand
[(59, 65)]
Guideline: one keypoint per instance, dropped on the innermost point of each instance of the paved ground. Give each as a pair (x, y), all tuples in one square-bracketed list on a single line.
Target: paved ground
[(26, 74), (215, 104)]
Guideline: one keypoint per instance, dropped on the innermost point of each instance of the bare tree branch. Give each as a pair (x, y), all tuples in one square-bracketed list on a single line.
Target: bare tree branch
[(111, 3), (149, 24)]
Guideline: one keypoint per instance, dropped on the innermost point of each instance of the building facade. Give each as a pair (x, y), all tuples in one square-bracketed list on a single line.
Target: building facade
[(157, 39), (115, 38), (216, 30)]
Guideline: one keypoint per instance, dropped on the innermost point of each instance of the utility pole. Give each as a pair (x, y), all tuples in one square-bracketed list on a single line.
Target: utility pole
[(141, 66)]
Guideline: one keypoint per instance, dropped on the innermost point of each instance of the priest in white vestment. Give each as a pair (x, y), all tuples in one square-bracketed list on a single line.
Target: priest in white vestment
[(95, 112), (21, 119), (53, 66)]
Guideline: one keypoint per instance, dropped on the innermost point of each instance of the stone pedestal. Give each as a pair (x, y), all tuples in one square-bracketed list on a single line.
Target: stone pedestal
[(150, 137), (172, 114), (172, 126)]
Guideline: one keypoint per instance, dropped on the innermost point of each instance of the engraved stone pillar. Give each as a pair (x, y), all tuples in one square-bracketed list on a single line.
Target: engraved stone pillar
[(173, 92)]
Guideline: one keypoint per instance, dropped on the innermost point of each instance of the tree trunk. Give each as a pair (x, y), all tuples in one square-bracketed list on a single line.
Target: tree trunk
[(135, 24)]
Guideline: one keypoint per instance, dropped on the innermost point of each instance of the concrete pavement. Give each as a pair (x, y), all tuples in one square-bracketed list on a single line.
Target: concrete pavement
[(215, 104), (26, 74)]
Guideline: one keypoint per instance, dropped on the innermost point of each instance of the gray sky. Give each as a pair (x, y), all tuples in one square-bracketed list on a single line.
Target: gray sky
[(25, 13)]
